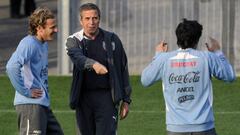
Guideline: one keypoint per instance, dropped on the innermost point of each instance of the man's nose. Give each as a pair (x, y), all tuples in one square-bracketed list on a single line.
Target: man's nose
[(91, 21), (56, 30)]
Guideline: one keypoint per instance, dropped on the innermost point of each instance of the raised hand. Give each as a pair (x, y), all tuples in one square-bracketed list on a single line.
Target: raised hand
[(162, 47), (214, 45)]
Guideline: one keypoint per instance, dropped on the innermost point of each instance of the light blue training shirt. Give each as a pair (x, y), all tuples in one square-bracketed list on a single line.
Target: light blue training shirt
[(28, 69), (187, 87)]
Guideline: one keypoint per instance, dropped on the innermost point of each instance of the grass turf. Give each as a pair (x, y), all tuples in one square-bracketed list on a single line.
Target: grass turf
[(147, 113)]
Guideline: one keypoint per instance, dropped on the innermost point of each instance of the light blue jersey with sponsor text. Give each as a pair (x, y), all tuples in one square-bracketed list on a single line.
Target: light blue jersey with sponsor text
[(187, 87)]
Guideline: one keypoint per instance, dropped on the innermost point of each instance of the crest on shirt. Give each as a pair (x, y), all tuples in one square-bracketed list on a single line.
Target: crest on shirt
[(112, 43)]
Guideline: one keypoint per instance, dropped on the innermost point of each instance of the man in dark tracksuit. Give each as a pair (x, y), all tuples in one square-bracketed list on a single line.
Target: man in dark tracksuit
[(100, 75)]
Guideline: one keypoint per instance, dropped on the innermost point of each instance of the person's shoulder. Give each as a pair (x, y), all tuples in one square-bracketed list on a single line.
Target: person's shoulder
[(28, 42), (204, 54), (166, 55), (199, 53), (109, 34), (105, 31), (27, 38), (26, 46), (73, 40), (208, 53), (77, 35), (173, 52)]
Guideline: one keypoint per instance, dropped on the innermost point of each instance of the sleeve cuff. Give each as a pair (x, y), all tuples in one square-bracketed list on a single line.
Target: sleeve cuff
[(127, 101)]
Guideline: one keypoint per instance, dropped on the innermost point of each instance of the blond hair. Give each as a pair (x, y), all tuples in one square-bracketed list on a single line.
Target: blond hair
[(39, 18)]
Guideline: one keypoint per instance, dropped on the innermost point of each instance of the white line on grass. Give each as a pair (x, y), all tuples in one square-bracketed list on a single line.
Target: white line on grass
[(222, 112), (133, 111)]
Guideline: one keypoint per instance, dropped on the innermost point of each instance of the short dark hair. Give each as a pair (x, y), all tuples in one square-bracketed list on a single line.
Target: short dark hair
[(89, 6), (188, 33), (39, 18)]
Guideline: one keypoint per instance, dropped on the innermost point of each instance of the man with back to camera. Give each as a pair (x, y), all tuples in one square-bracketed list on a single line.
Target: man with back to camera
[(100, 75), (186, 76), (28, 72)]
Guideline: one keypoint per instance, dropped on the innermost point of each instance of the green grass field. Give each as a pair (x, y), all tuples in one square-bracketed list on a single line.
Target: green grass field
[(147, 112)]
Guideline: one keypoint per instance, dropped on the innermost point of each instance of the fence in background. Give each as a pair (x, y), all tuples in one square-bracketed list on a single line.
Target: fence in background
[(141, 24)]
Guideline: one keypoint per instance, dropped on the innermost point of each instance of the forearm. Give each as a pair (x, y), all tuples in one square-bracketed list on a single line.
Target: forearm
[(228, 71), (127, 87), (76, 54), (82, 62), (153, 71), (17, 81)]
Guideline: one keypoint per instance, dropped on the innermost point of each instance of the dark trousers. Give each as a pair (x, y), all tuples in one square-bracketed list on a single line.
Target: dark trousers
[(208, 132), (97, 114)]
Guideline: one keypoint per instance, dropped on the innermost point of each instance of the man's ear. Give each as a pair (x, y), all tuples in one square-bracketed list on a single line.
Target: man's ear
[(80, 21), (39, 28)]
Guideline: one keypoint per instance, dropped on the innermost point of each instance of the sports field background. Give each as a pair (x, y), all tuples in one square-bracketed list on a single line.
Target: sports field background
[(147, 112)]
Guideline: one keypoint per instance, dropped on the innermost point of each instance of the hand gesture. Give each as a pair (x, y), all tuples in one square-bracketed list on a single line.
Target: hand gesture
[(100, 69), (214, 45), (162, 47)]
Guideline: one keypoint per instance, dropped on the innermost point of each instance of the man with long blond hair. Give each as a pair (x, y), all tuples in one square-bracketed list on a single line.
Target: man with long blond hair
[(28, 72)]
